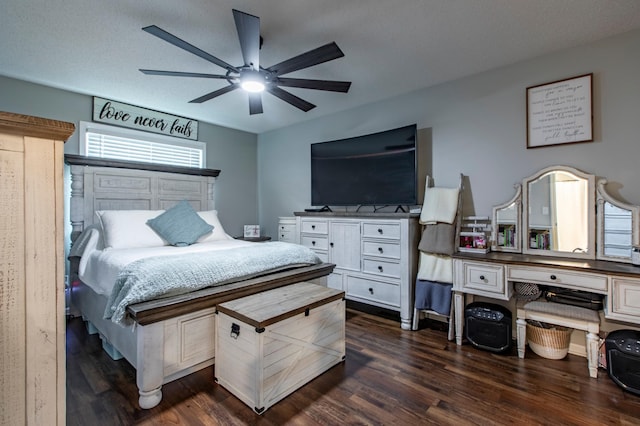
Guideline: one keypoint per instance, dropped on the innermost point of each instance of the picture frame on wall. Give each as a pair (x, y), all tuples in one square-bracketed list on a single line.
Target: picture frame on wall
[(560, 112)]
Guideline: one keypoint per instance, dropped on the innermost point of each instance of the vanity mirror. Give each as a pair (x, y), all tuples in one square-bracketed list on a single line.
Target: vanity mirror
[(617, 226), (558, 213), (506, 224)]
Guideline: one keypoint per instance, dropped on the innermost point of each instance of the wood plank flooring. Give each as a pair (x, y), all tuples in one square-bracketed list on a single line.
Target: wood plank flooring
[(390, 377)]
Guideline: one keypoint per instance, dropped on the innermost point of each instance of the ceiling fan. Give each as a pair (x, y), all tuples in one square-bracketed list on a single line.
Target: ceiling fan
[(251, 76)]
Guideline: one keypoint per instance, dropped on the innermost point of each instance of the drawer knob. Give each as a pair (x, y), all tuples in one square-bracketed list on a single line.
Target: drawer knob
[(313, 227), (313, 243), (380, 250), (553, 277), (379, 230), (380, 268), (482, 277), (282, 236), (370, 290), (331, 244)]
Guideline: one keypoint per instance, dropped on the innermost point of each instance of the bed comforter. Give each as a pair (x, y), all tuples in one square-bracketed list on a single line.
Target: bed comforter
[(163, 276)]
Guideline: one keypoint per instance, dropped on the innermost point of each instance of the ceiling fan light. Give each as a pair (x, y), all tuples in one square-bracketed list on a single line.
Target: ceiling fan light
[(252, 81), (252, 86)]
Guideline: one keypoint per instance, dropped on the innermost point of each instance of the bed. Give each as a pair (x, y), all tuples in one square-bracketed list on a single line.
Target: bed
[(168, 335)]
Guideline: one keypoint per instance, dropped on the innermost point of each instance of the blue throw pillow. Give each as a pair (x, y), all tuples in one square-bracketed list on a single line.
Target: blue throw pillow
[(180, 225)]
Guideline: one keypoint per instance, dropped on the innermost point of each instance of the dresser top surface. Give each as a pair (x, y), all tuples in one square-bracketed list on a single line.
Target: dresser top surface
[(368, 215)]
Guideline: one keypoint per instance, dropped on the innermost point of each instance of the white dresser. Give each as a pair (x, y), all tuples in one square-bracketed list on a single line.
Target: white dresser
[(288, 230), (375, 255)]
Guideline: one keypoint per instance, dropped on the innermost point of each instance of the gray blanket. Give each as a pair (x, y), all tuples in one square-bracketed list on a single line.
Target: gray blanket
[(164, 276)]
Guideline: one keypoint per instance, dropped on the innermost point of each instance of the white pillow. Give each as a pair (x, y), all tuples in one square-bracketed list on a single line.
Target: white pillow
[(218, 233), (129, 229)]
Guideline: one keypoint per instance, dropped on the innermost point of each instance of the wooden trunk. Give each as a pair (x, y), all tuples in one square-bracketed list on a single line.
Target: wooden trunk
[(32, 325), (271, 343)]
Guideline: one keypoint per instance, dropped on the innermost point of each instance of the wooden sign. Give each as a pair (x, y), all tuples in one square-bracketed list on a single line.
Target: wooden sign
[(560, 112), (133, 117)]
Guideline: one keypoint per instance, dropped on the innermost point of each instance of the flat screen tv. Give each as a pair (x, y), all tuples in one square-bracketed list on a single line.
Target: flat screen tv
[(379, 169)]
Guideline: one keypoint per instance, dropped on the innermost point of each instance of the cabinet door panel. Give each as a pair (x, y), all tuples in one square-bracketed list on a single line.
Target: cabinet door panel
[(344, 247), (625, 299)]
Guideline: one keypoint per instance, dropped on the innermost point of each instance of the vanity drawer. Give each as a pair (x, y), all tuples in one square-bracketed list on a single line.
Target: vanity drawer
[(315, 242), (559, 277), (482, 279), (624, 302), (381, 230), (376, 291), (382, 268), (381, 249), (315, 227)]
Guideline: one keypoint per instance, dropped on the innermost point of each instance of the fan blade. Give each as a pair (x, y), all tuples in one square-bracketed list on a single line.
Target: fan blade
[(255, 103), (214, 94), (325, 53), (292, 99), (248, 27), (329, 85), (183, 74), (170, 38)]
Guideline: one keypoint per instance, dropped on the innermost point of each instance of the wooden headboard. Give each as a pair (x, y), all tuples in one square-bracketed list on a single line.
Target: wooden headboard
[(98, 184)]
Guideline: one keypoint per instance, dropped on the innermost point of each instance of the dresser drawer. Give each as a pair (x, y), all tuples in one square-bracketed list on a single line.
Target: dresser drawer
[(381, 249), (315, 242), (483, 279), (624, 302), (323, 255), (382, 268), (381, 230), (315, 227), (375, 291), (285, 227), (559, 277), (287, 236)]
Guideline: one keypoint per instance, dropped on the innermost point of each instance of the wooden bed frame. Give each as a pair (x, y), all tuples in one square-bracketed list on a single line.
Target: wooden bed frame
[(174, 336)]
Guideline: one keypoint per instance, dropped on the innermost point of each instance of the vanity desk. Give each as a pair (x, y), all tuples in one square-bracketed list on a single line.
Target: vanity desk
[(562, 229), (492, 275)]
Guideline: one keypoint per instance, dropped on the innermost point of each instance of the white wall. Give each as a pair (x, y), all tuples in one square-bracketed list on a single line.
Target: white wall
[(479, 129)]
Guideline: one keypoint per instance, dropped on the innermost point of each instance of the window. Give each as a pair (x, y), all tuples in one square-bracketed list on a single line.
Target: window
[(99, 140)]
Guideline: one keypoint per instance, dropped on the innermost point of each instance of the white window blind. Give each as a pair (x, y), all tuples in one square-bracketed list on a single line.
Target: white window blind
[(97, 140)]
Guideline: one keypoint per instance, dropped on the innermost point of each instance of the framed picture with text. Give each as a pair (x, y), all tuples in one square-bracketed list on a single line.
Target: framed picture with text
[(560, 112), (251, 231)]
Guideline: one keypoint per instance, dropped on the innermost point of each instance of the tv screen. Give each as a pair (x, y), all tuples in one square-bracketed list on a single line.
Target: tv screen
[(374, 170)]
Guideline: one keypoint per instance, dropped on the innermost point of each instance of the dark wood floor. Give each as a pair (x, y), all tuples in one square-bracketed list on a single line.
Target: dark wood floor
[(390, 376)]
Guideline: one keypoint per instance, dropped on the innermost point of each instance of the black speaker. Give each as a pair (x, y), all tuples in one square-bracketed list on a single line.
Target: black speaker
[(623, 359), (488, 326)]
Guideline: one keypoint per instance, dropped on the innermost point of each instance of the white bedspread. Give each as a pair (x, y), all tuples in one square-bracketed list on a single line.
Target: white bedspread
[(100, 268), (163, 276)]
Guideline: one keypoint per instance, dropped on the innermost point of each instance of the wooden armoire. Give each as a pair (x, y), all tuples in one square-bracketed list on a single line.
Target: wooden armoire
[(32, 302)]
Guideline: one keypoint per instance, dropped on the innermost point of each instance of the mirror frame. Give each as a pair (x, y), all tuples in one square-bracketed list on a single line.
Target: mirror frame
[(591, 237), (517, 245), (602, 197)]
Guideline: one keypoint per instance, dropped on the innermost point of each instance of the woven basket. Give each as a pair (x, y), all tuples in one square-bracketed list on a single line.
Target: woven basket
[(551, 343)]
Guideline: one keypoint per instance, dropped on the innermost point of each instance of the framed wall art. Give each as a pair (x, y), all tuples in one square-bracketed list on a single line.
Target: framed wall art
[(560, 112)]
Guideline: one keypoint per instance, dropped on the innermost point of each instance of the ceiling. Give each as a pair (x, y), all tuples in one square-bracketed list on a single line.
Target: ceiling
[(391, 47)]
